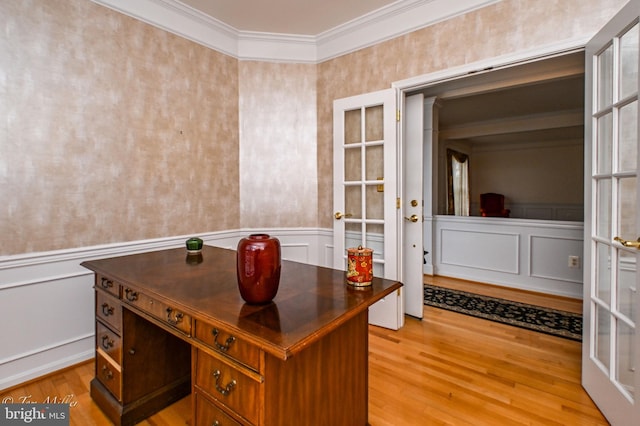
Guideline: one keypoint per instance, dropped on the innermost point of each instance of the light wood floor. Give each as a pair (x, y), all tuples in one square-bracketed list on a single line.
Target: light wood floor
[(448, 369)]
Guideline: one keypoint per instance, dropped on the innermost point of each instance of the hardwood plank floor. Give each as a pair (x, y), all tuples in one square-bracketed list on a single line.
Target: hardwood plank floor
[(522, 296), (448, 369)]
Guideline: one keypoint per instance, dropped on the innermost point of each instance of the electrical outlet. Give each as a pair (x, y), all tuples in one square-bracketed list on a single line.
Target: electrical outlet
[(574, 261)]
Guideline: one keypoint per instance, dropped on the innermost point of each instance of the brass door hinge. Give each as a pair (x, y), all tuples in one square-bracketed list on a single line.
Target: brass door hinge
[(398, 203), (397, 115)]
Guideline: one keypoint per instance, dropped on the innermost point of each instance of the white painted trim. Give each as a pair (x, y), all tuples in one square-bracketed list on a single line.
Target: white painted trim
[(179, 19), (491, 64), (45, 362), (254, 46), (398, 18), (33, 352)]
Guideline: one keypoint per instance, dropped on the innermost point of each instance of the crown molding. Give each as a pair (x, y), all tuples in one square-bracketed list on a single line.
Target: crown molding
[(256, 46), (398, 18)]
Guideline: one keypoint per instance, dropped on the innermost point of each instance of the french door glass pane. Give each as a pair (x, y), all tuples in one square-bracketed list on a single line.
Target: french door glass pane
[(627, 284), (378, 268), (603, 336), (605, 78), (603, 272), (626, 361), (352, 126), (627, 190), (375, 202), (375, 163), (353, 201), (374, 123), (629, 63), (352, 164), (363, 168), (603, 216), (605, 132), (628, 137)]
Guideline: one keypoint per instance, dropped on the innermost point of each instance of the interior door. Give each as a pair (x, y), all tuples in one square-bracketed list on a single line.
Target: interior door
[(412, 203), (365, 190), (611, 346)]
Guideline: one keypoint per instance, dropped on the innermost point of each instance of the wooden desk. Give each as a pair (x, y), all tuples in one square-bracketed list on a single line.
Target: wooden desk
[(168, 324)]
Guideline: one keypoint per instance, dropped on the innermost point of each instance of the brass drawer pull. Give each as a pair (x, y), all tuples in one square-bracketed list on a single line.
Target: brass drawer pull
[(227, 343), (131, 295), (107, 310), (106, 342), (223, 390), (177, 318), (108, 374), (106, 283)]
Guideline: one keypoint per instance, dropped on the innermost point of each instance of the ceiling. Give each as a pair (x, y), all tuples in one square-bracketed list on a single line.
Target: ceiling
[(301, 17), (536, 102)]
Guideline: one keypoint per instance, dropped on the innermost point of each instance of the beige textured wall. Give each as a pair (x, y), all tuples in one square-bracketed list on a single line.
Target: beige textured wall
[(499, 29), (110, 130), (543, 173), (278, 161)]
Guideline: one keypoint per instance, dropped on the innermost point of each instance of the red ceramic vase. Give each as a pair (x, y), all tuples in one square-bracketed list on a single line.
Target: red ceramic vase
[(258, 267)]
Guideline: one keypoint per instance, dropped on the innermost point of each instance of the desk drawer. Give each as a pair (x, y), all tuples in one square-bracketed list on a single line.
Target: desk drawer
[(108, 285), (109, 374), (108, 309), (109, 342), (208, 414), (227, 385), (228, 344), (165, 313)]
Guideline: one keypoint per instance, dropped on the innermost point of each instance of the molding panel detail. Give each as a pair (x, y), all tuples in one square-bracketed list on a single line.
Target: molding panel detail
[(518, 253), (548, 262), (493, 251)]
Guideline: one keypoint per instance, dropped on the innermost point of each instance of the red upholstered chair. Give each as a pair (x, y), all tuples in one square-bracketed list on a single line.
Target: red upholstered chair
[(492, 205)]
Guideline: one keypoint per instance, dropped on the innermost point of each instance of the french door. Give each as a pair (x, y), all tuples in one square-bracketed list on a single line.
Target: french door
[(365, 190), (611, 344)]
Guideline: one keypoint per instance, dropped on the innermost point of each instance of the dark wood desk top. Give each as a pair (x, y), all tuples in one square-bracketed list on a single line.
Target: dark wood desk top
[(311, 302)]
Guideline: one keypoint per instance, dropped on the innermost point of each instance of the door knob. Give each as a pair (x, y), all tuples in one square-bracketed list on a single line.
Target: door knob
[(339, 215), (413, 218), (635, 244)]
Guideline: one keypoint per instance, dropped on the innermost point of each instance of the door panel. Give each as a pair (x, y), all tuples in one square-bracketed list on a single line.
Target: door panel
[(610, 339), (412, 205), (365, 188)]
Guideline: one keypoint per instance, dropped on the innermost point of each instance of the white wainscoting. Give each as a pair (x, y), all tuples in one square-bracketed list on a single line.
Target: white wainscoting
[(47, 298), (47, 301), (518, 253)]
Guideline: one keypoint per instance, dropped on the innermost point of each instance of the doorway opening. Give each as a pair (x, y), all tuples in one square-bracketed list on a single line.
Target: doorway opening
[(521, 129)]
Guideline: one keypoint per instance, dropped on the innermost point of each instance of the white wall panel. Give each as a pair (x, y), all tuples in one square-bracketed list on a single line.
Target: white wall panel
[(483, 250), (550, 258), (518, 253)]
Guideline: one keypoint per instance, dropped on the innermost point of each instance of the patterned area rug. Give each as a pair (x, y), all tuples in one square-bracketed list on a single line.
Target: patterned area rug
[(545, 320)]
